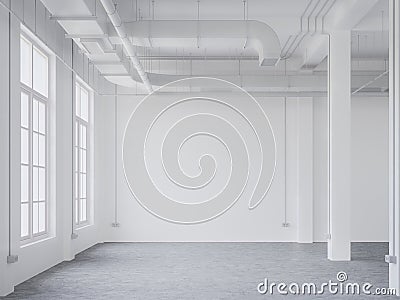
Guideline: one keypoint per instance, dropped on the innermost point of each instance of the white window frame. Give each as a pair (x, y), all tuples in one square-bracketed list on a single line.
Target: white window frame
[(78, 122), (35, 95)]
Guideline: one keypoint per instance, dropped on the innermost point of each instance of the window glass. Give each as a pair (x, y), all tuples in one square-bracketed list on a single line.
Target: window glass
[(24, 219), (26, 62), (78, 100), (42, 117), (42, 216), (42, 184), (24, 184), (42, 151), (83, 137), (35, 184), (24, 110), (35, 115), (40, 72), (84, 104), (35, 213), (35, 149), (24, 146)]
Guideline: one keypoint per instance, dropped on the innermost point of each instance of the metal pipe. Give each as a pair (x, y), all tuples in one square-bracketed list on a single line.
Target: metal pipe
[(86, 36), (119, 27), (316, 17), (370, 82), (215, 57), (303, 34), (265, 94), (299, 37)]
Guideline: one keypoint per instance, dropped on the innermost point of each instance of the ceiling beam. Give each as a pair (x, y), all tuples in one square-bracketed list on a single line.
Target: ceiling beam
[(345, 15), (316, 51)]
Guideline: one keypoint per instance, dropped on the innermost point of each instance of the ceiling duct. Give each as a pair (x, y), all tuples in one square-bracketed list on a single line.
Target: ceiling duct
[(188, 33), (119, 27)]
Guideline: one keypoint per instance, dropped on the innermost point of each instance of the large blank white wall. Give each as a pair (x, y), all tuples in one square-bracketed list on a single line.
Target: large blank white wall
[(237, 224), (320, 164), (369, 135), (369, 155), (369, 169)]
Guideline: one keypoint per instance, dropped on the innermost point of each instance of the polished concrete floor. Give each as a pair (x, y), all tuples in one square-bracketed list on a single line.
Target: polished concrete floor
[(202, 271)]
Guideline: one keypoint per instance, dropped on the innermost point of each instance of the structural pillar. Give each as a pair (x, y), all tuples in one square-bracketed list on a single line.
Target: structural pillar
[(394, 146), (339, 127)]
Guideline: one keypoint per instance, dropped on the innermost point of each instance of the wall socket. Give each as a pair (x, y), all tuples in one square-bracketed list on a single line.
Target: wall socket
[(115, 224), (12, 259), (390, 259)]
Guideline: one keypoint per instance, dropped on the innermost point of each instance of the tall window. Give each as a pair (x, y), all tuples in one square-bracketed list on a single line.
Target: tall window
[(82, 142), (34, 79)]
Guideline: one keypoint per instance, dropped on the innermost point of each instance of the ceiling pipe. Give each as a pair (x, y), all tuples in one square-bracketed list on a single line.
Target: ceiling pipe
[(370, 82), (198, 57), (184, 33), (296, 40), (119, 27)]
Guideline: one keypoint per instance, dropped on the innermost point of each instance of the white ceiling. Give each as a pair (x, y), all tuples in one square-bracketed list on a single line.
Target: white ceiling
[(367, 19)]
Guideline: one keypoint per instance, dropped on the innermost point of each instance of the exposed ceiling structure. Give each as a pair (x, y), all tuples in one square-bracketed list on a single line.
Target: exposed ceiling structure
[(262, 45)]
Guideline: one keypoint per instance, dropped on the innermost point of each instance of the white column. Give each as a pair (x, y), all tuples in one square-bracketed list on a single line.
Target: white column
[(394, 146), (65, 91), (339, 111), (305, 230)]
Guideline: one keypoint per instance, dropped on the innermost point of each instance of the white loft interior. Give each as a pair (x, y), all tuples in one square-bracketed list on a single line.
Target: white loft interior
[(140, 129)]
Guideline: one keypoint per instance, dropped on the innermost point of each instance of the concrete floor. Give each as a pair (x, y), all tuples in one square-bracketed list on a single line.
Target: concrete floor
[(201, 271)]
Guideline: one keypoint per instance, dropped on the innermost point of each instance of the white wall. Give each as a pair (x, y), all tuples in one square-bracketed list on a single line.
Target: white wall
[(305, 156), (40, 256), (369, 178), (4, 152), (238, 224), (369, 206), (320, 182)]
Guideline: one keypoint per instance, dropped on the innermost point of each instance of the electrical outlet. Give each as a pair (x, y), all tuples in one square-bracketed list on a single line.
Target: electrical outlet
[(390, 259), (12, 259), (74, 236), (285, 224), (115, 225)]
